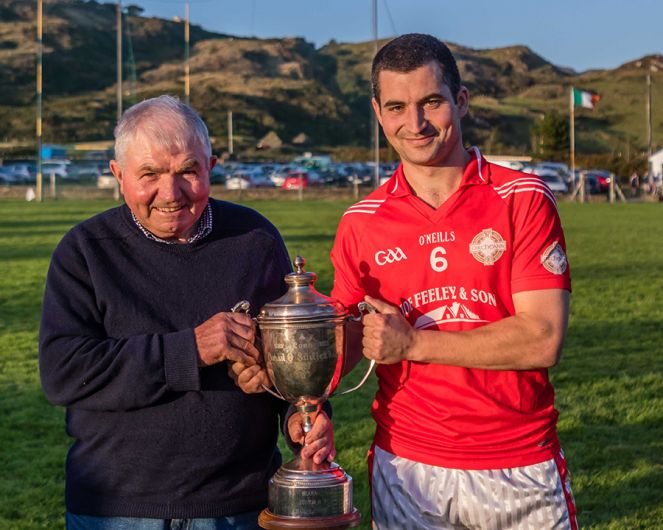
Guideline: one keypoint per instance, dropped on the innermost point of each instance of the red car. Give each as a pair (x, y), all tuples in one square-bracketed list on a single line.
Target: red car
[(295, 180)]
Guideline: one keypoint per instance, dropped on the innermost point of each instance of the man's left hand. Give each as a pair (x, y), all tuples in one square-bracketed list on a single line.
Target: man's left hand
[(318, 443), (388, 337)]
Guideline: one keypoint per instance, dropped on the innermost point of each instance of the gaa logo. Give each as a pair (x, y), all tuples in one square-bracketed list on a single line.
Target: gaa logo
[(487, 246), (382, 257)]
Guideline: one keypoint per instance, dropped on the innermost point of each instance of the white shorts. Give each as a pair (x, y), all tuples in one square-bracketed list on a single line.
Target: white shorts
[(410, 495)]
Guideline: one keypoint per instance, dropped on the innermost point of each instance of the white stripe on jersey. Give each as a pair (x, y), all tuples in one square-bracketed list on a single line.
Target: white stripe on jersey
[(525, 184), (369, 206), (477, 153)]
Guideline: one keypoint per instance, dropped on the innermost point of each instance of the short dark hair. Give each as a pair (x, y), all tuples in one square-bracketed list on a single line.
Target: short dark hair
[(411, 51)]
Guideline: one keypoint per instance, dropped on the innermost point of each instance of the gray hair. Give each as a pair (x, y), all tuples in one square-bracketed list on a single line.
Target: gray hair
[(166, 121)]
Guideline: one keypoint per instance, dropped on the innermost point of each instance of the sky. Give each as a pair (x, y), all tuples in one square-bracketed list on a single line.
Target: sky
[(580, 34)]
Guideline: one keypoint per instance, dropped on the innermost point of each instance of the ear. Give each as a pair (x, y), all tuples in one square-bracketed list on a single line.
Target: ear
[(377, 109), (117, 172), (463, 101), (212, 162)]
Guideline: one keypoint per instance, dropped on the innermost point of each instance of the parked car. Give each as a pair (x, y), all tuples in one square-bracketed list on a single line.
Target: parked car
[(553, 180), (217, 175), (558, 167), (9, 176), (23, 172), (260, 180), (59, 168), (597, 181), (5, 177), (239, 181), (85, 170), (278, 178), (295, 180), (106, 181)]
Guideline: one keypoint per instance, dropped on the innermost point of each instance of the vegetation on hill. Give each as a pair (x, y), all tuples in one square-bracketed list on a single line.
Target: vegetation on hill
[(290, 87)]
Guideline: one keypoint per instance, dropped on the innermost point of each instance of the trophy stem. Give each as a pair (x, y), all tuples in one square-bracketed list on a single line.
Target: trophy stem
[(306, 410)]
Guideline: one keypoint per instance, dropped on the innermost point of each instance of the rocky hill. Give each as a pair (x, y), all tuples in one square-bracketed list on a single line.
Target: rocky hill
[(284, 85)]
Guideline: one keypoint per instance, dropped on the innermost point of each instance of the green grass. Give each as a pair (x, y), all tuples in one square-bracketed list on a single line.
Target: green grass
[(609, 383)]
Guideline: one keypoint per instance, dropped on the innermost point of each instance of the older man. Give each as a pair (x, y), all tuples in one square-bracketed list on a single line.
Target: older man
[(137, 340)]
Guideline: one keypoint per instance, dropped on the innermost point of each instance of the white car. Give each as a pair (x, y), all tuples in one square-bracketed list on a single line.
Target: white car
[(552, 180), (59, 168), (106, 181), (239, 181)]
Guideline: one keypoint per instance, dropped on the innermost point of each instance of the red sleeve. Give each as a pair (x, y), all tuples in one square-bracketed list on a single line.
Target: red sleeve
[(539, 248), (348, 288)]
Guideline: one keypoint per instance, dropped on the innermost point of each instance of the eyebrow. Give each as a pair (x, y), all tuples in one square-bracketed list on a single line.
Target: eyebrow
[(188, 164), (151, 169)]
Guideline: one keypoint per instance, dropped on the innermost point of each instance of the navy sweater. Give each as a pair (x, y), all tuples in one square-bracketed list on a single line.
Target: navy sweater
[(154, 436)]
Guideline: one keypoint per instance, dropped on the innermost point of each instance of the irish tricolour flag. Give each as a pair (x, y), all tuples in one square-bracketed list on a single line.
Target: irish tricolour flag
[(582, 98)]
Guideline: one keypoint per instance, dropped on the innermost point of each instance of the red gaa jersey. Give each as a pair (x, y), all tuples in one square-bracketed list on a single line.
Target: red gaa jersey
[(456, 268)]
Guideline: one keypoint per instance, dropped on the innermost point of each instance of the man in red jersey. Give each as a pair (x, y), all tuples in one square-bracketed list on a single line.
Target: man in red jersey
[(465, 262)]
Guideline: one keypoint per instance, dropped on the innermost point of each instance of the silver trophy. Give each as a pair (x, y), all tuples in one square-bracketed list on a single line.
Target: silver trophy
[(303, 340)]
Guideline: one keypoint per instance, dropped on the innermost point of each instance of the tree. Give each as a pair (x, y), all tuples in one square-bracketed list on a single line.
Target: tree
[(550, 137), (134, 10)]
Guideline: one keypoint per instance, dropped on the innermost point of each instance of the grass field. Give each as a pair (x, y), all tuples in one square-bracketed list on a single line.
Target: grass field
[(609, 383)]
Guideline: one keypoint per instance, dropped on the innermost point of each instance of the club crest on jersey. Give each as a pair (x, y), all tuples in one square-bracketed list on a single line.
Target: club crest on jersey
[(554, 259), (382, 257), (487, 246)]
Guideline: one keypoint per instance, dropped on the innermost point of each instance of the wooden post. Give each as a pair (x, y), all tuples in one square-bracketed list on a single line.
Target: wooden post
[(376, 124), (187, 89), (230, 133), (118, 57), (39, 175)]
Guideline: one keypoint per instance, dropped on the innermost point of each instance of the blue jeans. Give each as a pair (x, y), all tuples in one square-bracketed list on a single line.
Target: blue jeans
[(242, 521)]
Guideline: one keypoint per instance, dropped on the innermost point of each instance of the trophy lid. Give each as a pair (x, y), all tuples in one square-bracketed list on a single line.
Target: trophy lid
[(302, 303)]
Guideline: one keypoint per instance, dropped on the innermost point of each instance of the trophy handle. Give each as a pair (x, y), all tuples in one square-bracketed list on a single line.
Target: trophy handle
[(364, 307), (243, 307)]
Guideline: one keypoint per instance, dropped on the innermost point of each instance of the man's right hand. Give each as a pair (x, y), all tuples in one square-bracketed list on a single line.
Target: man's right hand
[(251, 379), (227, 337)]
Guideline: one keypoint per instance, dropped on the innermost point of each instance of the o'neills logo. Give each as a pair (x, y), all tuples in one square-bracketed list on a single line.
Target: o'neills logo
[(382, 257), (487, 246), (554, 259)]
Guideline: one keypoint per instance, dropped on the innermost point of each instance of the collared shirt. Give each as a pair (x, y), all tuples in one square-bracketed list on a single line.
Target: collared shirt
[(456, 268), (203, 228)]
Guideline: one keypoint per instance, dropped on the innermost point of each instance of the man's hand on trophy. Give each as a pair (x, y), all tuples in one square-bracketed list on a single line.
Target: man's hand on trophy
[(251, 379), (387, 336), (227, 337), (318, 443)]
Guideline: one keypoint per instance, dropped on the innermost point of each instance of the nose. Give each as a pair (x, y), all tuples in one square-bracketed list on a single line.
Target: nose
[(415, 119), (169, 188)]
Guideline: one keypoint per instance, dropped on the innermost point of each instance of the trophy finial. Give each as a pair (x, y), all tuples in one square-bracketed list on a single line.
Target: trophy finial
[(299, 264)]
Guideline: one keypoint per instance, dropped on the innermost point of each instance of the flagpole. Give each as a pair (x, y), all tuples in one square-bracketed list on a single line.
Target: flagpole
[(572, 145)]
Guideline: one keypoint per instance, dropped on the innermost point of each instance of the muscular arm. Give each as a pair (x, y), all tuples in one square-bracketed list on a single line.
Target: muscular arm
[(532, 338)]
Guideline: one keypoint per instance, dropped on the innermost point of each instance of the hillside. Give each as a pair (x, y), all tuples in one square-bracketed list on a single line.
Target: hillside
[(285, 85)]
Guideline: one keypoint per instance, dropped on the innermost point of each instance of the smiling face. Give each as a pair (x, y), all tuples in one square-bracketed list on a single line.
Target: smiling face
[(419, 116), (165, 187)]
